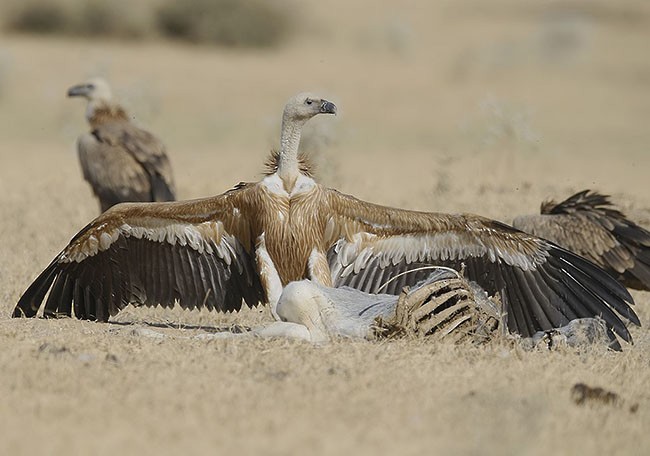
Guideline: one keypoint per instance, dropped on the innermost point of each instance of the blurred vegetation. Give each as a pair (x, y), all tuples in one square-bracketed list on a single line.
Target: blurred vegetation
[(92, 18), (39, 17), (256, 23), (248, 23)]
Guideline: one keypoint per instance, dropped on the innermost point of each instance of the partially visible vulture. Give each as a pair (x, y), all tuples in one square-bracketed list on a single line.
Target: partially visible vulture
[(588, 224), (120, 161), (251, 241)]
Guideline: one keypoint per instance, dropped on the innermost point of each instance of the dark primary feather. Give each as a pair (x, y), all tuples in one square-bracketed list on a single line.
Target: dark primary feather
[(587, 223), (142, 272), (585, 200)]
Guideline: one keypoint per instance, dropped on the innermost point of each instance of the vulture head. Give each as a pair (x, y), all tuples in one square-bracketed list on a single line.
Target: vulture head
[(95, 89), (304, 106)]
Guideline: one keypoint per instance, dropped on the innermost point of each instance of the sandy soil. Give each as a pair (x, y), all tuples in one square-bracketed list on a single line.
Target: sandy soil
[(444, 107)]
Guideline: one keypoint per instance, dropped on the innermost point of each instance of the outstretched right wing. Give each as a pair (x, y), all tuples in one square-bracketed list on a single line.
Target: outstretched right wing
[(381, 249)]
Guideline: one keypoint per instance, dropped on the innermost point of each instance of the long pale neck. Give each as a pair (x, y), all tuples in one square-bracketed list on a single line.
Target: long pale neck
[(288, 166)]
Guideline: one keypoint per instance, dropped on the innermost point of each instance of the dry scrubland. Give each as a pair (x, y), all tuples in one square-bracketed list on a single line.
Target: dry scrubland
[(484, 107)]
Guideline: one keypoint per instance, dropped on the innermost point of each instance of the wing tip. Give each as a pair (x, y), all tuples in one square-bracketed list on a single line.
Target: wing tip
[(609, 293), (32, 299)]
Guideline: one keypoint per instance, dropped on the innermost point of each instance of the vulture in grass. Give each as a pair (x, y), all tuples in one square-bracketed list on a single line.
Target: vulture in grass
[(120, 161), (251, 241), (587, 223)]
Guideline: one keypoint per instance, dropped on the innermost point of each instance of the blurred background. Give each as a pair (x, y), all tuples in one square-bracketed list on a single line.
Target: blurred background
[(484, 107)]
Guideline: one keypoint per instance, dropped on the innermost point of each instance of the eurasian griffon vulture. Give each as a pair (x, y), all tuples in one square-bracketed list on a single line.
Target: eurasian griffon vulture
[(251, 241), (120, 161)]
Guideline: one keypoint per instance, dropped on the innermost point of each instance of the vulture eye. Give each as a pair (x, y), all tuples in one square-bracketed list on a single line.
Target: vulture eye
[(308, 101), (90, 86)]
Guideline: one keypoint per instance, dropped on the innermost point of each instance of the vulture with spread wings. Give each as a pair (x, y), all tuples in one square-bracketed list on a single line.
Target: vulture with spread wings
[(251, 241), (120, 161), (587, 223)]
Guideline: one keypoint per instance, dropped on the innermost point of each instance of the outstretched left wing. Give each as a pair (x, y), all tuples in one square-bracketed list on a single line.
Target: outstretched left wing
[(542, 285), (197, 253)]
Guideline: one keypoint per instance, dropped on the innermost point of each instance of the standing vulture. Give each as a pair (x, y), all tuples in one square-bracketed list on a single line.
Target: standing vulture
[(250, 242), (587, 223), (120, 161)]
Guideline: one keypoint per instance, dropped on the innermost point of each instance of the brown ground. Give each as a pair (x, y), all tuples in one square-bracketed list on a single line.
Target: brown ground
[(478, 108)]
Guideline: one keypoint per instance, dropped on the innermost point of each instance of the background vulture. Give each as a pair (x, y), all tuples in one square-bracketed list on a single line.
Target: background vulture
[(587, 223), (120, 161)]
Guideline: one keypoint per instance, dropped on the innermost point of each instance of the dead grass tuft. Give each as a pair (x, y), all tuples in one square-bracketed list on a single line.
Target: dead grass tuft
[(583, 394)]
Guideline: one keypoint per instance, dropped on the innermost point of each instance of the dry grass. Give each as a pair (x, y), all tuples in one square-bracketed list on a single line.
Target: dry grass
[(412, 132), (89, 388)]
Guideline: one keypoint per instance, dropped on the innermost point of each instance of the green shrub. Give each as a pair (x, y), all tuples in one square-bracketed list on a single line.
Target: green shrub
[(253, 23)]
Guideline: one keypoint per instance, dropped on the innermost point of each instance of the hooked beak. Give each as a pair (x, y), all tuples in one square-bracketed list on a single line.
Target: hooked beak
[(327, 107), (80, 90)]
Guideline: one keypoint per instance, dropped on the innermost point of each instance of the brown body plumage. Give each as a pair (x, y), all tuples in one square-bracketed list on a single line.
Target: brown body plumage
[(587, 223), (249, 242), (120, 161)]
